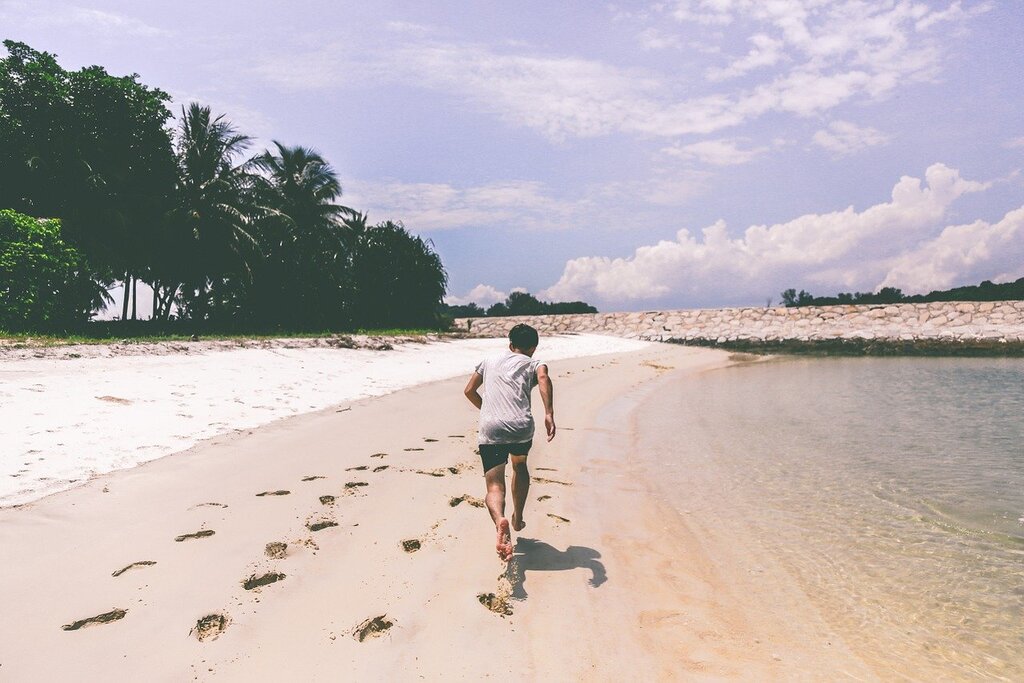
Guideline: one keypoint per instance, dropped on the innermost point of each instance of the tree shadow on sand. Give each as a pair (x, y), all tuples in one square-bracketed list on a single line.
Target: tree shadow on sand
[(538, 556)]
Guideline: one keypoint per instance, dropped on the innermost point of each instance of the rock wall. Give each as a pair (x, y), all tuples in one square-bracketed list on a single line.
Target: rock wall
[(994, 321)]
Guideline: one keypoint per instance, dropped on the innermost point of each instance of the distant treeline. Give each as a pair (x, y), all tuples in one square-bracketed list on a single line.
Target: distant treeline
[(986, 291), (100, 185), (518, 303)]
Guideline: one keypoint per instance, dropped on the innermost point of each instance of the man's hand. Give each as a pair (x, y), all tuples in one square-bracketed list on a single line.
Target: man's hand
[(472, 389), (547, 394)]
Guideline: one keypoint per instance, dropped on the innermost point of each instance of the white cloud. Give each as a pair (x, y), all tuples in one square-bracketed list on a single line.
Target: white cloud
[(766, 51), (844, 137), (410, 28), (724, 152), (961, 253), (98, 22), (653, 38), (441, 206), (953, 12), (482, 295), (708, 13), (112, 23), (525, 205), (845, 248), (830, 53)]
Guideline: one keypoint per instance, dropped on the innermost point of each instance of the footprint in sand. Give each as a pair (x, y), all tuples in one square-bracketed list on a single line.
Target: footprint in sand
[(313, 477), (411, 545), (380, 468), (412, 449), (466, 498), (280, 492), (105, 618), (133, 565), (441, 471), (541, 499), (210, 626), (542, 480), (254, 582), (499, 604), (429, 440), (546, 469), (351, 486), (378, 455), (205, 533), (358, 468), (276, 550), (558, 518), (374, 627), (327, 500), (431, 473), (208, 505), (114, 399), (320, 525)]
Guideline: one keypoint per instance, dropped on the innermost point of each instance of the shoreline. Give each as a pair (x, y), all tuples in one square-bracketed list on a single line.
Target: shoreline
[(379, 527), (948, 347)]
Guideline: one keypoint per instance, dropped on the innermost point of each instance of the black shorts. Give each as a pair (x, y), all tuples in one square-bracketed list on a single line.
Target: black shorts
[(494, 454)]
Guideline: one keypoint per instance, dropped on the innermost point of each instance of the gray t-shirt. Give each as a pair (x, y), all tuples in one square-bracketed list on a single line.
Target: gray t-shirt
[(505, 415)]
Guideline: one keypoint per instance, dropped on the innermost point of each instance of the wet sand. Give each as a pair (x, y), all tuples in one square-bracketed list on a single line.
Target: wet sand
[(351, 545)]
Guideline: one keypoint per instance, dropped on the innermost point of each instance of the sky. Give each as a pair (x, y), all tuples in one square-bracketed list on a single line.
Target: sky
[(634, 155)]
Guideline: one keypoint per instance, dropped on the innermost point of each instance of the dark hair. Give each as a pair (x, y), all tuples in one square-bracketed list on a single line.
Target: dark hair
[(523, 337)]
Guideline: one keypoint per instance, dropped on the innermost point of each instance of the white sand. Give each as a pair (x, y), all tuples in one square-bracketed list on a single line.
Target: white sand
[(65, 420)]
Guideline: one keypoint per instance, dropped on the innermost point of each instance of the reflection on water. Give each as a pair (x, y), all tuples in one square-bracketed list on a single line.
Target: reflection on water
[(893, 489)]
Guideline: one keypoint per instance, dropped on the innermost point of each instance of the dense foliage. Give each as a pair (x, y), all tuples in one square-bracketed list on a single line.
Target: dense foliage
[(225, 240), (519, 303), (986, 291), (43, 280)]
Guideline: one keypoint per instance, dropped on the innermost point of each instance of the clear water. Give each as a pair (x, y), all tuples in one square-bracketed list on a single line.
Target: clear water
[(892, 489)]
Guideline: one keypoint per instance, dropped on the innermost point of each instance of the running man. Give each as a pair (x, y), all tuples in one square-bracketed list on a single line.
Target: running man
[(506, 425)]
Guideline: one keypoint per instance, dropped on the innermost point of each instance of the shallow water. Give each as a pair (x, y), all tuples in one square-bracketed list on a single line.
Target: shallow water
[(891, 489)]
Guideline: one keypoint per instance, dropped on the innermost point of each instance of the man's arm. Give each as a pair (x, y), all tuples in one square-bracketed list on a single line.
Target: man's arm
[(547, 394), (472, 390)]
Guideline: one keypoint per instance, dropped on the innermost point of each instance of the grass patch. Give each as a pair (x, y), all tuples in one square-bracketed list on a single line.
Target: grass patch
[(145, 332)]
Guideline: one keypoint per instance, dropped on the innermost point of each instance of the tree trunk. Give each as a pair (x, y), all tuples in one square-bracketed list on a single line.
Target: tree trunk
[(135, 296), (124, 303), (156, 289)]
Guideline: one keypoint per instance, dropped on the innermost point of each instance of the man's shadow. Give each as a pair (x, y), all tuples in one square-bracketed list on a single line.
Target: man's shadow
[(538, 556)]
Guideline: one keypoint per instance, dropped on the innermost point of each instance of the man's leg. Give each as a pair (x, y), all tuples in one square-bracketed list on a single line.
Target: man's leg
[(495, 479), (520, 490)]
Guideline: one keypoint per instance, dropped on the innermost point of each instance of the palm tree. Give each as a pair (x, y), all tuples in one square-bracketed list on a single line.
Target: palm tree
[(303, 187), (216, 208), (308, 233)]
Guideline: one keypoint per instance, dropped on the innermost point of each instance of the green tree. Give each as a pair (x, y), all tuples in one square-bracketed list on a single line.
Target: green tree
[(213, 233), (89, 148), (304, 280), (399, 278), (523, 303), (45, 283), (791, 298)]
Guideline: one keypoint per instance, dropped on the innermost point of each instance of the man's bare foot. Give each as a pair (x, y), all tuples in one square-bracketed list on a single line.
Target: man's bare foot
[(504, 544), (518, 523)]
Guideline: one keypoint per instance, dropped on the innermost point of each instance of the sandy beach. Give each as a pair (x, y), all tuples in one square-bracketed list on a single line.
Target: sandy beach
[(72, 412), (347, 544)]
